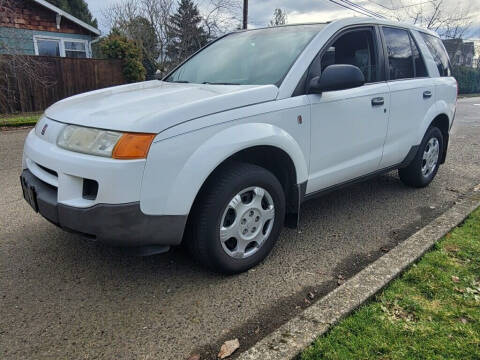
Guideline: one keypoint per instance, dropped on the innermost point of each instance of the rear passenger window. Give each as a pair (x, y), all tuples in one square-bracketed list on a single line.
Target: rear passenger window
[(400, 57), (439, 54), (420, 68)]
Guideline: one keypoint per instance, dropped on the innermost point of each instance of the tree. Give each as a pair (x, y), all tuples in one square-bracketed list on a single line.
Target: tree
[(448, 19), (77, 8), (185, 32), (217, 17), (279, 17), (117, 46), (142, 32)]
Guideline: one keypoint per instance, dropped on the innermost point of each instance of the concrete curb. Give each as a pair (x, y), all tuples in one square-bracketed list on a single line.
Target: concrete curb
[(298, 333)]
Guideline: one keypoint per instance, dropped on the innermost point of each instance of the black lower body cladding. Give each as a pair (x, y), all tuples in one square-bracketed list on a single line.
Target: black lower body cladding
[(115, 224)]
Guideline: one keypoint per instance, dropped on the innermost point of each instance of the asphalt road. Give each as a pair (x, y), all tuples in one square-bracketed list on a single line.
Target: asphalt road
[(62, 297)]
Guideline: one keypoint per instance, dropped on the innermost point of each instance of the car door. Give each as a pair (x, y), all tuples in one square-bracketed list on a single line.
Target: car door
[(348, 127), (412, 93)]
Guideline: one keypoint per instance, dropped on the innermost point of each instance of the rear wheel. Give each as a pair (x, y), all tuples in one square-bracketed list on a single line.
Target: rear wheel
[(237, 219), (423, 168)]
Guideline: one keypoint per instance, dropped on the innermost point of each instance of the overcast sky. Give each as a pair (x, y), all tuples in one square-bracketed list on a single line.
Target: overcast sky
[(301, 11)]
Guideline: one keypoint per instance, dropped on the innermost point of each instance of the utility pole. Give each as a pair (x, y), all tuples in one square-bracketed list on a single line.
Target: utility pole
[(245, 14)]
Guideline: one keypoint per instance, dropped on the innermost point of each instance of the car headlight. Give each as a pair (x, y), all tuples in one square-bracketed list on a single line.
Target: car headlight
[(105, 142)]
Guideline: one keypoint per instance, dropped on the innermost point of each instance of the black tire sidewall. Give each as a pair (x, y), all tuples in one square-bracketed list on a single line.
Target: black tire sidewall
[(433, 132), (218, 200)]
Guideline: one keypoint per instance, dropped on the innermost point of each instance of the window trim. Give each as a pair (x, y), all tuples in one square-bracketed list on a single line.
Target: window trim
[(301, 88), (61, 44)]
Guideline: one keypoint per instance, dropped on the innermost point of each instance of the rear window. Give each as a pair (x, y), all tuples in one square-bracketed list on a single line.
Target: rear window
[(439, 54)]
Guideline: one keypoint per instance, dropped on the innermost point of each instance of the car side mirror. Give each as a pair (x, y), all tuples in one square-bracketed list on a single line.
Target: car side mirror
[(337, 77)]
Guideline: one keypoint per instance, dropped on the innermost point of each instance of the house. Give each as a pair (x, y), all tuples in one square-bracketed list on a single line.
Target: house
[(461, 53), (36, 27)]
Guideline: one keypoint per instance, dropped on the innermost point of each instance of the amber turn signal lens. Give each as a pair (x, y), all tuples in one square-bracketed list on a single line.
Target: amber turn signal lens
[(133, 146)]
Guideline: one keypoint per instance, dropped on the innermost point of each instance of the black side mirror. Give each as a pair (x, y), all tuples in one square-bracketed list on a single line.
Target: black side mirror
[(337, 77)]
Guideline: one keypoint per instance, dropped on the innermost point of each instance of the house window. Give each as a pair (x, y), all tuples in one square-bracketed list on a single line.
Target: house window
[(75, 49), (51, 46), (48, 47)]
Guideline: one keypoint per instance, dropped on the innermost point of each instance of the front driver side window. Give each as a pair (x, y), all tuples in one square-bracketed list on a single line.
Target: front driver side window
[(353, 48)]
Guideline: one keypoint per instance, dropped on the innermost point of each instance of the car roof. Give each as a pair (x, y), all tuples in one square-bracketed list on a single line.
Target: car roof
[(357, 20)]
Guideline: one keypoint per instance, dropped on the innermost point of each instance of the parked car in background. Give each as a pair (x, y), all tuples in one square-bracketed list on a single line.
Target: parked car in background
[(223, 152)]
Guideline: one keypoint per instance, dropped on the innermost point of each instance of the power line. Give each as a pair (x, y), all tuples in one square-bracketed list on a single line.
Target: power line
[(356, 8), (363, 9), (398, 8), (349, 8)]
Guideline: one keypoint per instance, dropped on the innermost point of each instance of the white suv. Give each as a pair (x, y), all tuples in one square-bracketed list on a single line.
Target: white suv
[(223, 152)]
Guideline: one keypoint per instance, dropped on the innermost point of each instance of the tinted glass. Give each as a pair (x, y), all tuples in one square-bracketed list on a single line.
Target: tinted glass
[(74, 45), (439, 54), (250, 57), (354, 48), (48, 47), (399, 53), (420, 68)]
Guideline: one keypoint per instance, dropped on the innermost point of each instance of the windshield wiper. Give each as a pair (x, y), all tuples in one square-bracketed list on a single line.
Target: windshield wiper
[(219, 83), (179, 81)]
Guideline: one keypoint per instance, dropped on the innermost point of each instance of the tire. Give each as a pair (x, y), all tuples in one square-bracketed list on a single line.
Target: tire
[(222, 226), (423, 168)]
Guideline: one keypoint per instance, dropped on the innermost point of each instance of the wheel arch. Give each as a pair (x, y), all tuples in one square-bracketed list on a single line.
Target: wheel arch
[(273, 159), (205, 151)]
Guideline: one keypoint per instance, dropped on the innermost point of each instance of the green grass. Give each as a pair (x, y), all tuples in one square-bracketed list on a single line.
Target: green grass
[(432, 311), (27, 119)]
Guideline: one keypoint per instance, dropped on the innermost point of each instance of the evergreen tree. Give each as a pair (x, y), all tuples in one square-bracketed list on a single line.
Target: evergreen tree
[(279, 17), (77, 8), (185, 33)]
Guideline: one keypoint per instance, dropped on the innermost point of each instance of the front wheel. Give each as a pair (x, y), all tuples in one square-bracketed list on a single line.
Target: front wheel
[(237, 219), (423, 168)]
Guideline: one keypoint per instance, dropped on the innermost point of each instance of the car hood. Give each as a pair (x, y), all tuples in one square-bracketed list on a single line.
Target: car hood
[(154, 106)]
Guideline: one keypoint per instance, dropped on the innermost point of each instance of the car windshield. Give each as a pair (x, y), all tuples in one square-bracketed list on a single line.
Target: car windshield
[(256, 57)]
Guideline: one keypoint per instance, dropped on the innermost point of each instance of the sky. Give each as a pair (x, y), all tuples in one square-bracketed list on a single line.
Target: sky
[(303, 11)]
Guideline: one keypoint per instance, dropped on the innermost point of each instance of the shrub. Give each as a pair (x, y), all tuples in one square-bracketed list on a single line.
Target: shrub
[(119, 47), (468, 79)]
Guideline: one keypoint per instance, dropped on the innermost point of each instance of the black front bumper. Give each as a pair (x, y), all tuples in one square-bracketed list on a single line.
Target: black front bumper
[(116, 224)]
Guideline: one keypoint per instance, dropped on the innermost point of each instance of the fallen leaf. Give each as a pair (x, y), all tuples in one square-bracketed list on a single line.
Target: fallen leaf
[(463, 320), (194, 357), (455, 279), (340, 282), (311, 295), (228, 348)]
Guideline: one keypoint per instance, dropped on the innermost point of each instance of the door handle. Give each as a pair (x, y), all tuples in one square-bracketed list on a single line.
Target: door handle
[(427, 94), (378, 101)]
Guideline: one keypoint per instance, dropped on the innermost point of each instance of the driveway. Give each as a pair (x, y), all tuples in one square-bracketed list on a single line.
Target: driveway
[(62, 297)]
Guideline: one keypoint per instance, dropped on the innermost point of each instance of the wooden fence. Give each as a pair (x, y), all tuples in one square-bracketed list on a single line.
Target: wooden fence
[(32, 83)]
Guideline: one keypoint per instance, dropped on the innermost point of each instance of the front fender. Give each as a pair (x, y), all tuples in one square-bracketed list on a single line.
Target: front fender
[(177, 167)]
